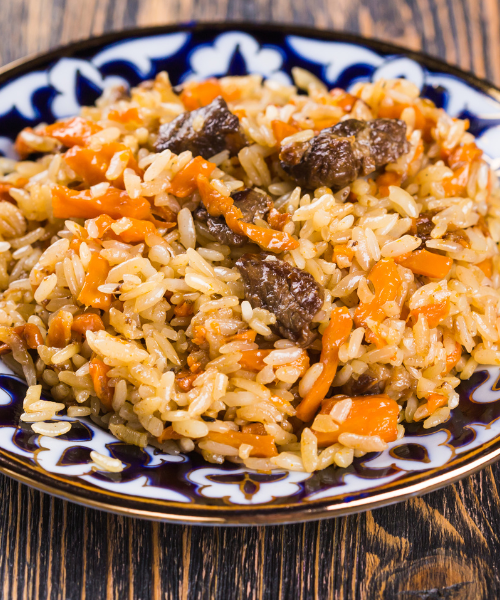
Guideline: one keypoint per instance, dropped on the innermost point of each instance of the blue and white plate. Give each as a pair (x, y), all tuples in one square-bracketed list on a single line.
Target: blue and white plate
[(185, 488)]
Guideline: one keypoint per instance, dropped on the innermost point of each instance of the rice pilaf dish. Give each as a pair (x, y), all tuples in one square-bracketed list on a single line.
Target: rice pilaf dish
[(278, 276)]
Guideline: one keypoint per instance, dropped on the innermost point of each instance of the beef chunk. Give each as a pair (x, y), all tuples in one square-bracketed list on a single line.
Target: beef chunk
[(253, 205), (365, 385), (423, 225), (291, 294), (220, 131), (340, 154)]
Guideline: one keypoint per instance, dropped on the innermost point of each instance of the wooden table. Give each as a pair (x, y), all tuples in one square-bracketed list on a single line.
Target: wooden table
[(444, 545)]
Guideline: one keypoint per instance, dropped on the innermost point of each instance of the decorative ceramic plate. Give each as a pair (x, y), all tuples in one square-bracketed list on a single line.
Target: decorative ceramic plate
[(185, 488)]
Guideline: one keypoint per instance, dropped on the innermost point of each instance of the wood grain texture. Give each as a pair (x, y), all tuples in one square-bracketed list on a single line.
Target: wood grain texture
[(444, 545)]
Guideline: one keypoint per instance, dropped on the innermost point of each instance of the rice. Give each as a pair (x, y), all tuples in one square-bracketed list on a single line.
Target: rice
[(151, 334)]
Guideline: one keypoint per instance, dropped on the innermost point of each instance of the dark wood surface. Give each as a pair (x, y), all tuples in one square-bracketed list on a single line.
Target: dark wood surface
[(444, 545)]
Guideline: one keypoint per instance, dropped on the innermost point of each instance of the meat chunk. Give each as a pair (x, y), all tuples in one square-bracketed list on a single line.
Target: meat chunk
[(215, 129), (340, 154), (289, 293), (253, 205), (423, 225)]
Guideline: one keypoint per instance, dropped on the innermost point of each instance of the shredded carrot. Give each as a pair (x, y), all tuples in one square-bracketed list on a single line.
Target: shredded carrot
[(486, 266), (342, 251), (98, 373), (31, 335), (464, 155), (435, 401), (453, 358), (196, 95), (283, 130), (185, 380), (335, 335), (219, 205), (200, 335), (91, 165), (126, 117), (343, 99), (169, 434), (387, 179), (184, 309), (386, 282), (72, 204), (435, 313), (98, 270), (59, 333), (421, 122), (76, 131), (369, 415), (248, 335), (278, 220), (137, 231), (253, 360), (263, 446), (423, 262), (185, 182), (87, 322)]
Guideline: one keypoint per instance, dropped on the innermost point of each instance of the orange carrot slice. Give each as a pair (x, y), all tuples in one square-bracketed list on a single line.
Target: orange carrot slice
[(335, 335), (75, 131), (72, 204), (386, 282), (185, 182), (87, 322), (98, 373), (435, 313), (423, 262), (263, 446), (97, 272), (369, 415)]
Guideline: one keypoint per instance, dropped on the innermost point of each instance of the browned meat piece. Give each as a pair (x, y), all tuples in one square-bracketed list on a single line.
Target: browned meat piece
[(365, 385), (220, 131), (340, 154), (253, 205), (423, 225), (292, 295)]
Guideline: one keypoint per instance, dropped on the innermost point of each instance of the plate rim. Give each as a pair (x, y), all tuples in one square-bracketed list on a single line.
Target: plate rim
[(257, 515)]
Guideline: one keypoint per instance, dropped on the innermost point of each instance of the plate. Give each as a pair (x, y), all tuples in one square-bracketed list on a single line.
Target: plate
[(186, 489)]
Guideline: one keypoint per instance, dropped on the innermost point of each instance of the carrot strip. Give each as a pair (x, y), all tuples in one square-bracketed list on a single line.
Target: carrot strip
[(486, 267), (219, 205), (137, 231), (97, 272), (453, 357), (283, 130), (91, 165), (196, 95), (435, 313), (31, 335), (185, 182), (185, 380), (387, 282), (98, 373), (169, 434), (72, 204), (87, 322), (335, 335), (435, 401), (369, 415), (59, 333), (76, 131), (263, 446), (423, 262), (127, 117)]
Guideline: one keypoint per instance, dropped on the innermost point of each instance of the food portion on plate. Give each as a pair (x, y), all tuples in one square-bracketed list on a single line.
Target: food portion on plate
[(278, 276)]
